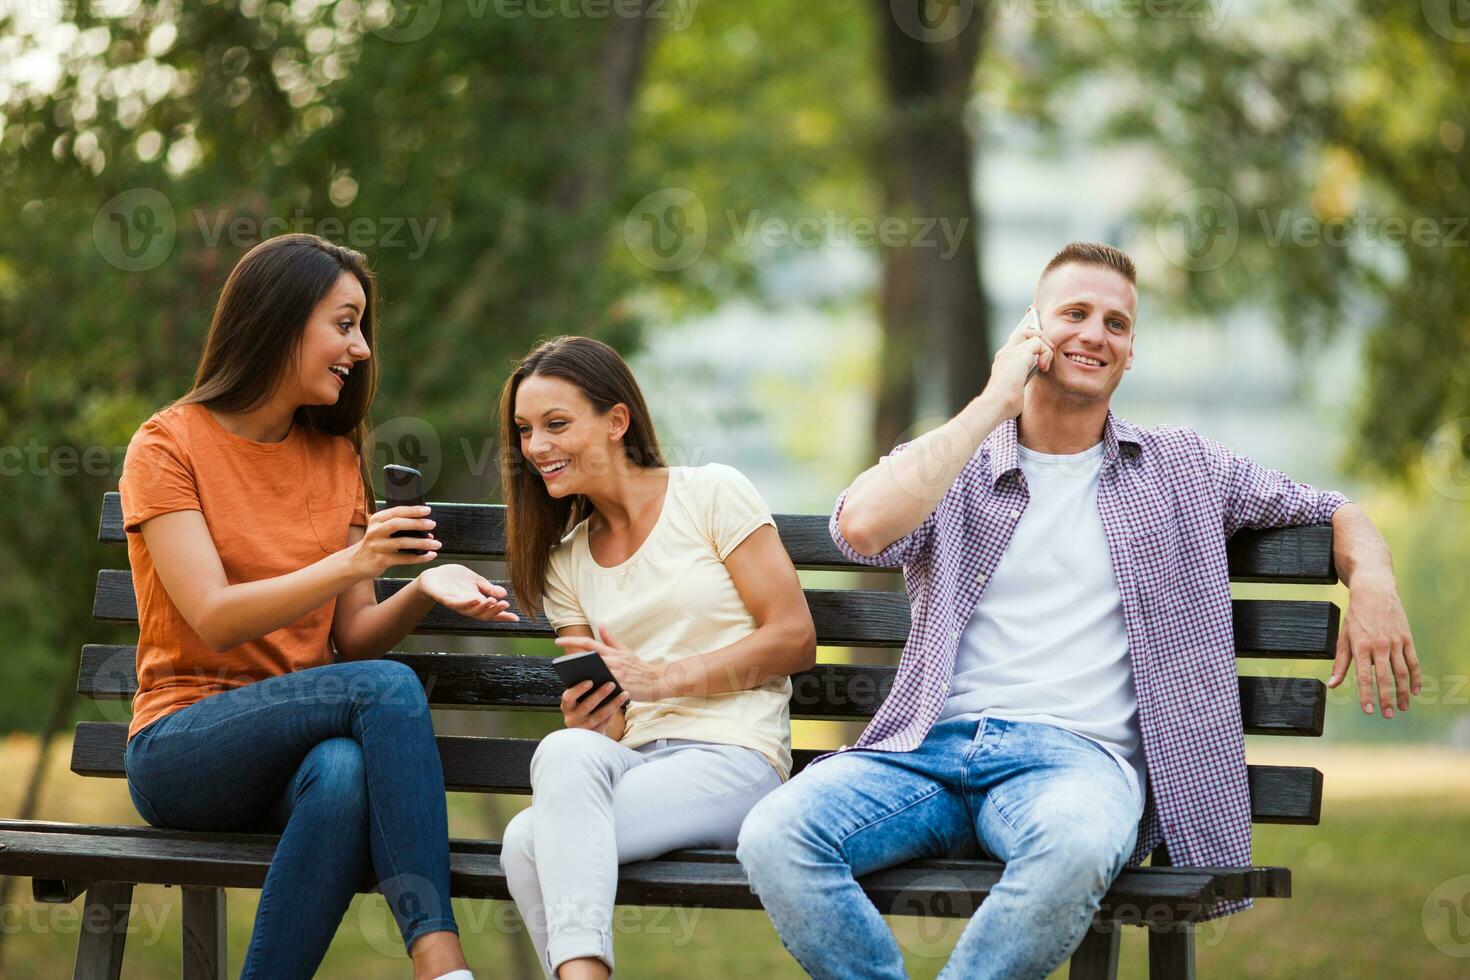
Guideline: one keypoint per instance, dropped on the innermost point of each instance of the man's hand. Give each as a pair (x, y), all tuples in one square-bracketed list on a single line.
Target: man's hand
[(1012, 366), (1376, 637)]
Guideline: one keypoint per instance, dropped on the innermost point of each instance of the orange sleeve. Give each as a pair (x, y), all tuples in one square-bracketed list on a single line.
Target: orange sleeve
[(157, 476), (360, 508)]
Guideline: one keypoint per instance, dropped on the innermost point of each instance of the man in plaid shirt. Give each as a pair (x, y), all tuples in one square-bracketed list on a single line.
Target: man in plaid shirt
[(1067, 698)]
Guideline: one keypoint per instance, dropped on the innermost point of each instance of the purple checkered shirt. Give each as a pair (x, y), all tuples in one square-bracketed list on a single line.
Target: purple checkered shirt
[(1169, 499)]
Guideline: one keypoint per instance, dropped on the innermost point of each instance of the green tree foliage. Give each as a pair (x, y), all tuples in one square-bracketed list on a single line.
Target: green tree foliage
[(1321, 153)]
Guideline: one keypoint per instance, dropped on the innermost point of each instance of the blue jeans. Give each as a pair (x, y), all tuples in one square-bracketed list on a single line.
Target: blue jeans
[(341, 761), (1051, 804)]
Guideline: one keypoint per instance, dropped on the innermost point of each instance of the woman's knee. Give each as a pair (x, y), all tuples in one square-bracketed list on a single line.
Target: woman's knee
[(571, 753), (335, 772), (517, 851), (388, 685)]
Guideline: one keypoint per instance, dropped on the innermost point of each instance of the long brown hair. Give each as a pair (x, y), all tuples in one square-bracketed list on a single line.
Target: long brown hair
[(256, 331), (535, 521)]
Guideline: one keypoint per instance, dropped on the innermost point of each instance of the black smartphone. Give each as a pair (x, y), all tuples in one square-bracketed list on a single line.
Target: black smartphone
[(574, 668), (403, 486)]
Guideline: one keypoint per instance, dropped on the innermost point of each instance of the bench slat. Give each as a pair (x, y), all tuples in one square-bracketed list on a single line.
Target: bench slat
[(711, 879), (848, 617), (1279, 794), (1268, 705), (1302, 555)]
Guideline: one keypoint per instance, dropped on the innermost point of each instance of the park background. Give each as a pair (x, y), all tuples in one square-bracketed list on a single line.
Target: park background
[(807, 223)]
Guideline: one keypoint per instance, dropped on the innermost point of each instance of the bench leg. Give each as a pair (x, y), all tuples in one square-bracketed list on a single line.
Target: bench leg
[(1096, 957), (1171, 951), (204, 933), (104, 931)]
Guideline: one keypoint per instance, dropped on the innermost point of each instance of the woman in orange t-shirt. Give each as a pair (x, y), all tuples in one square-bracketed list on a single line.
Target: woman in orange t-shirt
[(253, 558)]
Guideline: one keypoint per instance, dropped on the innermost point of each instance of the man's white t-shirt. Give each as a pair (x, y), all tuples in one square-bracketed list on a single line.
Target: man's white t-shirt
[(1046, 642)]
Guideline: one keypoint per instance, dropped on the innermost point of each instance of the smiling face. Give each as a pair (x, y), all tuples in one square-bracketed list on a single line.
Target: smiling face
[(563, 436), (332, 343), (1087, 312)]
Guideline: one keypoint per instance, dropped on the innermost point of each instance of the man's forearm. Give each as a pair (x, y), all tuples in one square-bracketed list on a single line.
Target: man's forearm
[(894, 497), (1358, 550)]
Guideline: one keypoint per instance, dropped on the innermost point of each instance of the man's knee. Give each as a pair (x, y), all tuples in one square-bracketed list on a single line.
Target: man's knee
[(1082, 857), (774, 833)]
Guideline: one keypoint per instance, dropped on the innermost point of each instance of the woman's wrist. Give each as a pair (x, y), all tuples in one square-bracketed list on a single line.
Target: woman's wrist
[(673, 678), (347, 570)]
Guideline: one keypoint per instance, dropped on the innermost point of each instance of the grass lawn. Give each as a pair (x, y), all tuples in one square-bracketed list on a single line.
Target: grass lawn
[(1382, 889)]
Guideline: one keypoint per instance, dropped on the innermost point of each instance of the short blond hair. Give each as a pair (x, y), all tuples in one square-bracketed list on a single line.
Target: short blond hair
[(1092, 253)]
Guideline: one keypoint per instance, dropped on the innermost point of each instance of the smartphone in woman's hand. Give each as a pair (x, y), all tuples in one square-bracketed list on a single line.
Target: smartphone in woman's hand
[(403, 486)]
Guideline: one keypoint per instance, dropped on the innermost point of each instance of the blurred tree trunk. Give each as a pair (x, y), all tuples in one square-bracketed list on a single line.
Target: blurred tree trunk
[(932, 306), (583, 193)]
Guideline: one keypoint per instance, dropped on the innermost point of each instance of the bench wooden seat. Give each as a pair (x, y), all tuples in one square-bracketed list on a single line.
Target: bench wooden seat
[(64, 860), (708, 878)]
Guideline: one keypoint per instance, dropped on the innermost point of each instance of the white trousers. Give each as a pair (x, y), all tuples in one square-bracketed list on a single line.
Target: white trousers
[(598, 804)]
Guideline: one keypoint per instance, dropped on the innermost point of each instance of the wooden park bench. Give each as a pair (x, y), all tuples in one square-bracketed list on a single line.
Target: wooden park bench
[(104, 862)]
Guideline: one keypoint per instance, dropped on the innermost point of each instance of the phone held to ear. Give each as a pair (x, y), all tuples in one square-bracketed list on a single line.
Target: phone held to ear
[(588, 665), (403, 486), (1032, 319)]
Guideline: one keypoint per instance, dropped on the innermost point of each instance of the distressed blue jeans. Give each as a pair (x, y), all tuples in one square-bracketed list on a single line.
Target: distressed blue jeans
[(1054, 806), (341, 761)]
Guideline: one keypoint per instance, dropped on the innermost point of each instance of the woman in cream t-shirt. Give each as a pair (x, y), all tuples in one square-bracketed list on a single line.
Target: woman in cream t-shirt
[(676, 577)]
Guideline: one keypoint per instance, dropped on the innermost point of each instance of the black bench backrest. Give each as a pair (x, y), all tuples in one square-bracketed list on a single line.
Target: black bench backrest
[(843, 617)]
